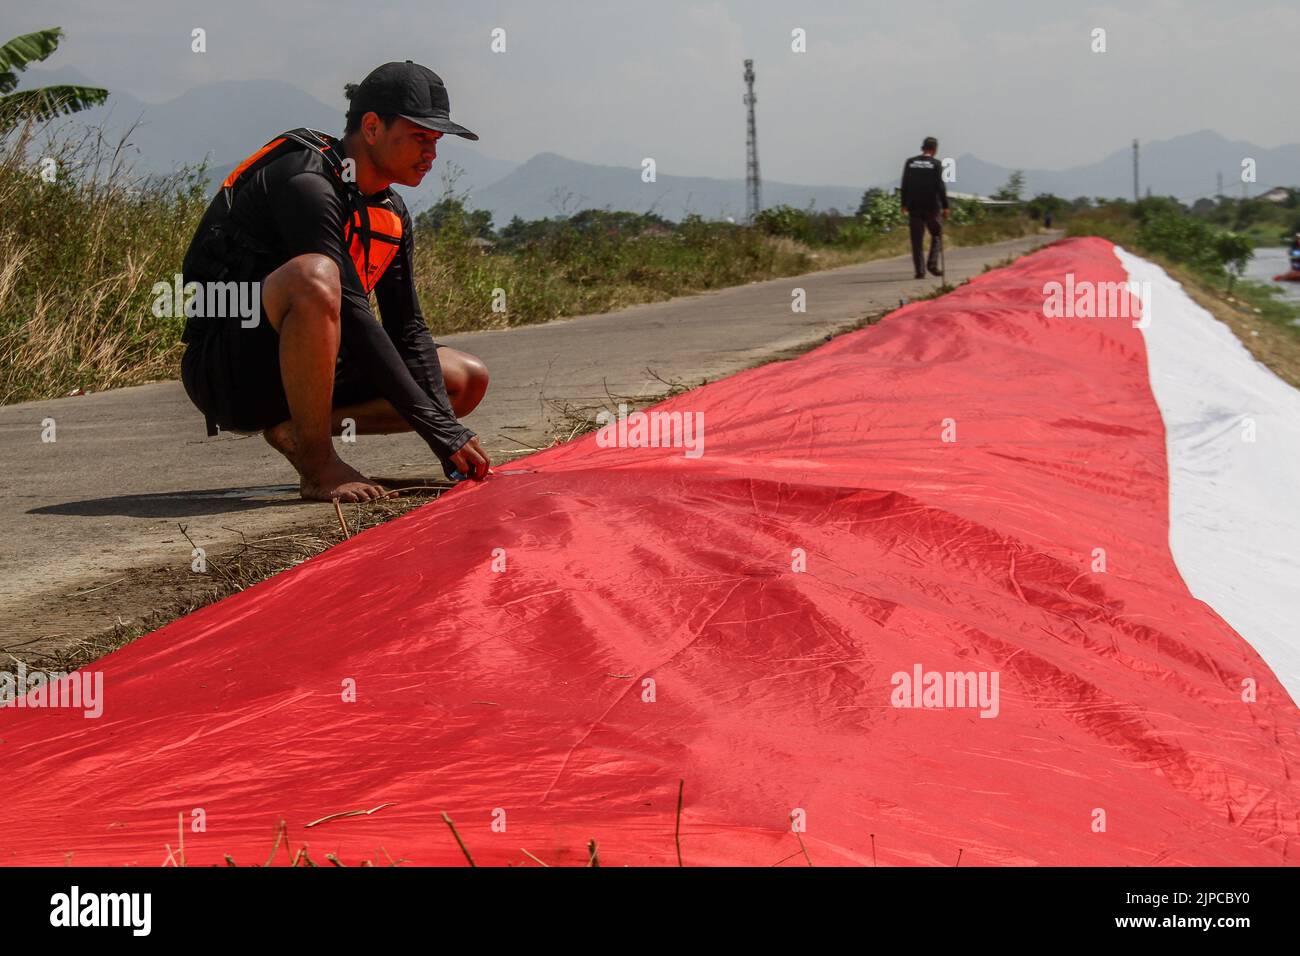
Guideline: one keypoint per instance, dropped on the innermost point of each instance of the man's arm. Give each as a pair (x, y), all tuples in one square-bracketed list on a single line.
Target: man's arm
[(309, 216), (940, 187), (399, 308)]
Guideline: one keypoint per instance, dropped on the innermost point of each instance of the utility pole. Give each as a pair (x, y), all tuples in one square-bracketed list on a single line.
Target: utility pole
[(752, 205), (1218, 178), (1136, 195)]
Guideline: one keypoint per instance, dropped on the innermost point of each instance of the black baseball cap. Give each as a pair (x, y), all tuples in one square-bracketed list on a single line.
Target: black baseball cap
[(413, 92)]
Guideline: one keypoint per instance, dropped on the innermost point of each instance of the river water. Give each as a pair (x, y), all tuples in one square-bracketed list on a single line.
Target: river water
[(1272, 261)]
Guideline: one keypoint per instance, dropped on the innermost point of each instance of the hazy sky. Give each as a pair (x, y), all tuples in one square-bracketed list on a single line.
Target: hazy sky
[(1014, 82)]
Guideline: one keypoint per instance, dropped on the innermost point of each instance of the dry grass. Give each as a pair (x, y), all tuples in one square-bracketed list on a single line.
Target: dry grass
[(1273, 344), (176, 857), (569, 421), (78, 259), (301, 858)]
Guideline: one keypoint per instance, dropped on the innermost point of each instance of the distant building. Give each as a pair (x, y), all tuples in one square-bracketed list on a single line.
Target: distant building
[(1277, 194), (985, 200)]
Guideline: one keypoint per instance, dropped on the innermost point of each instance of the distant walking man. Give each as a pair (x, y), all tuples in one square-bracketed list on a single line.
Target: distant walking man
[(924, 199)]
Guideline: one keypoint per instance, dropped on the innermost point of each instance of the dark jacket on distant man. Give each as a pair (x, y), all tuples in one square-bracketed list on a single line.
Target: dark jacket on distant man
[(923, 192)]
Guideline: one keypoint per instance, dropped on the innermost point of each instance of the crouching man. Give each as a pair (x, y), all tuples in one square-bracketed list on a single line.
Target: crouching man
[(311, 220)]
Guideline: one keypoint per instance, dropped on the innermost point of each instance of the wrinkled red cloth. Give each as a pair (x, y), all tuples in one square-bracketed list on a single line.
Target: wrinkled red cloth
[(520, 697)]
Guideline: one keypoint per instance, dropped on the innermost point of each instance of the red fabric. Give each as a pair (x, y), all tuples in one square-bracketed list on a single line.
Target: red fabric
[(480, 690)]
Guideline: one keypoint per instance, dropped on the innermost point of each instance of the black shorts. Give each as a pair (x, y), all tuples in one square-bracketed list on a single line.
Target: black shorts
[(232, 374)]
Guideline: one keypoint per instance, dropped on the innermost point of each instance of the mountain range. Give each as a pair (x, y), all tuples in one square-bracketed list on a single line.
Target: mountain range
[(221, 123)]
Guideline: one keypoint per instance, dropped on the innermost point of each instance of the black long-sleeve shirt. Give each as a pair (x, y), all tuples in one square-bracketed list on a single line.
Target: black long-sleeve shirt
[(294, 205), (923, 192)]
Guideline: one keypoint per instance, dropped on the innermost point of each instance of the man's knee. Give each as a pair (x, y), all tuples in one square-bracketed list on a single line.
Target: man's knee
[(476, 375), (307, 285), (474, 384), (466, 378)]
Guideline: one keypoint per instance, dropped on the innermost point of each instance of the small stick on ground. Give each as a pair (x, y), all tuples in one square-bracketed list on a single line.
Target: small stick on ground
[(219, 569), (333, 859), (959, 852), (446, 819), (681, 786), (533, 858), (93, 590), (348, 813), (784, 858), (398, 492), (338, 510), (804, 848), (180, 832), (279, 833), (595, 857), (524, 443), (873, 849)]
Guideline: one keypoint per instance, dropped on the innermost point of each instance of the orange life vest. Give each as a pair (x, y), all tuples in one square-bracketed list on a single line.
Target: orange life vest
[(372, 234)]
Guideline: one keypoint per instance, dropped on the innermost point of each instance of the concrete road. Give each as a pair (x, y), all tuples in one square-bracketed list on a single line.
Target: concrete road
[(128, 465)]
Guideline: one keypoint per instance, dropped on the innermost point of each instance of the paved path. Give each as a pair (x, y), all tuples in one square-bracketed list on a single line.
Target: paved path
[(129, 464)]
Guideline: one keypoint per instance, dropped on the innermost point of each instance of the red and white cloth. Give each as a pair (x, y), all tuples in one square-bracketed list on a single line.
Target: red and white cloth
[(736, 621)]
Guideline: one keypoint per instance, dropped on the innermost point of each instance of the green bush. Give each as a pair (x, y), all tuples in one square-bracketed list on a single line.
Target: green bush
[(1163, 226), (1191, 241), (786, 221), (883, 212), (965, 212), (450, 215)]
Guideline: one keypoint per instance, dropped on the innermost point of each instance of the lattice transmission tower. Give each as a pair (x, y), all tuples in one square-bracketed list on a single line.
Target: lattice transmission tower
[(752, 204)]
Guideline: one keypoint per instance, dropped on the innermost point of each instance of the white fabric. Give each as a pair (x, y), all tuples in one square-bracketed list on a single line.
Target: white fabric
[(1234, 510)]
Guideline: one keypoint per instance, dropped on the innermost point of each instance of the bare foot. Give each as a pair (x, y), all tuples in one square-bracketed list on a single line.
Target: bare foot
[(337, 479)]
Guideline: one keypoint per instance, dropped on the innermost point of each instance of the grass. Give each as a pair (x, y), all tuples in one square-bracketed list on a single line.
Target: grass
[(1264, 324), (571, 421), (176, 857), (79, 257), (577, 274), (1267, 325)]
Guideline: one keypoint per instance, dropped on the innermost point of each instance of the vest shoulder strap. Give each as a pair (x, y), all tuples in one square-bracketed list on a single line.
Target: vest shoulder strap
[(301, 138)]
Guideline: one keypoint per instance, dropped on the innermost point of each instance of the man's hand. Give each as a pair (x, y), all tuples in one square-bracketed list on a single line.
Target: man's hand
[(472, 460), (945, 212)]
